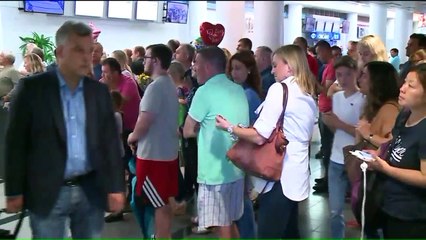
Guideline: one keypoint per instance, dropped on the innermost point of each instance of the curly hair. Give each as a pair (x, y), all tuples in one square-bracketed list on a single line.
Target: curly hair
[(383, 87)]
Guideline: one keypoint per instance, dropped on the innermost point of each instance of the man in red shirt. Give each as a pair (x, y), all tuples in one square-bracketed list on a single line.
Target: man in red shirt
[(325, 55), (313, 64)]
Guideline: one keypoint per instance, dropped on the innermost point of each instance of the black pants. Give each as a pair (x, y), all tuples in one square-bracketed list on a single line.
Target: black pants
[(277, 215), (127, 156), (327, 137), (401, 229), (188, 183), (190, 155)]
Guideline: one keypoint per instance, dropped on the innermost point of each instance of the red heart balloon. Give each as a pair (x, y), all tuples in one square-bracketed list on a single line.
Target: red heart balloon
[(211, 34)]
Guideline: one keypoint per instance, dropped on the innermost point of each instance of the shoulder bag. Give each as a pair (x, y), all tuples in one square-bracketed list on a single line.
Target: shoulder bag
[(266, 160)]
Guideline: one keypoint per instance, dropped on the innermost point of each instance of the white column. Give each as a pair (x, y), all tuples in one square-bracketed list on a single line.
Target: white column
[(197, 15), (353, 26), (268, 24), (294, 27), (231, 15), (403, 29), (378, 20)]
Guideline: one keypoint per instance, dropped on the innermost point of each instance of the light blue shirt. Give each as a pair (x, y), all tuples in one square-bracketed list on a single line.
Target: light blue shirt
[(395, 61), (74, 110)]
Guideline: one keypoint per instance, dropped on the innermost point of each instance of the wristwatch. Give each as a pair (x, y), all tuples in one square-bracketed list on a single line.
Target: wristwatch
[(230, 129)]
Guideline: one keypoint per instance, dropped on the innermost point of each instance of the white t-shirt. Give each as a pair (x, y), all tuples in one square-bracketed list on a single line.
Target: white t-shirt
[(299, 120), (348, 110)]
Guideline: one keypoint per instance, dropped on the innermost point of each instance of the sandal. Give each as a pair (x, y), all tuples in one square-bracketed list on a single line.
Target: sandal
[(200, 230), (194, 220)]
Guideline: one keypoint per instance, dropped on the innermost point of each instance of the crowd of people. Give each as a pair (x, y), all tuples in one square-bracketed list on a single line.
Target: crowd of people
[(113, 134)]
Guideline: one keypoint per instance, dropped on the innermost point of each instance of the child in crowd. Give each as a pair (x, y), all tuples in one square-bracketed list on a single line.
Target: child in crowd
[(346, 111)]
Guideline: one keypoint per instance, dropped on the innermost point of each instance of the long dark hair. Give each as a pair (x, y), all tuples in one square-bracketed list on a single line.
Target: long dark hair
[(383, 87), (253, 78)]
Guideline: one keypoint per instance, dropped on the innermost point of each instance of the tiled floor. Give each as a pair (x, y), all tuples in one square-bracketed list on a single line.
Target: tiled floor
[(313, 217)]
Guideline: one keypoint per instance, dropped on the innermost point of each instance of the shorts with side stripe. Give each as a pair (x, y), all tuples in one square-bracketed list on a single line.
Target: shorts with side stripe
[(157, 181), (220, 205)]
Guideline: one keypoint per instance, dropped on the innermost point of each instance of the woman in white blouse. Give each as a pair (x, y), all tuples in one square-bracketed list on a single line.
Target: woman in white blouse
[(278, 204)]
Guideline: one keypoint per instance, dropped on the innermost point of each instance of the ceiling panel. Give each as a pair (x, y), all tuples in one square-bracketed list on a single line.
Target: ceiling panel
[(415, 6)]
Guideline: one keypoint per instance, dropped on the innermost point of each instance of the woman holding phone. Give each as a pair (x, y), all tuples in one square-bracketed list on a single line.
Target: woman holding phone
[(404, 204)]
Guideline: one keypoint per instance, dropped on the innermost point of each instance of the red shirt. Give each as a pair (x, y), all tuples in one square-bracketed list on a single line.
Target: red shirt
[(324, 102), (313, 65)]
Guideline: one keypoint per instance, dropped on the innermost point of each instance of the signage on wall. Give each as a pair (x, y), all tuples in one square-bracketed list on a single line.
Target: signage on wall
[(325, 36)]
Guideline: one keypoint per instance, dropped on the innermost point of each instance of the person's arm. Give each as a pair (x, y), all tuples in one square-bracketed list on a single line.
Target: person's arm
[(191, 127), (149, 107), (265, 123), (145, 120), (333, 122), (408, 176), (333, 89), (249, 134), (16, 147), (386, 118), (196, 114)]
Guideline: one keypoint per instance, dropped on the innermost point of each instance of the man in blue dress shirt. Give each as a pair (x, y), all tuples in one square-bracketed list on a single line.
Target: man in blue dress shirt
[(62, 146)]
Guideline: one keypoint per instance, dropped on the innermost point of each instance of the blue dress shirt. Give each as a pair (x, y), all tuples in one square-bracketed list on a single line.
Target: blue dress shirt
[(74, 111)]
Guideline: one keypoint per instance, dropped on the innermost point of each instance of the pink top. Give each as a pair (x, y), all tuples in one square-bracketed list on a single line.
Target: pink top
[(129, 90)]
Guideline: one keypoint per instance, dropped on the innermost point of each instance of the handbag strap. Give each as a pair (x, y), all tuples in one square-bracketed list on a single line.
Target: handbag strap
[(280, 121)]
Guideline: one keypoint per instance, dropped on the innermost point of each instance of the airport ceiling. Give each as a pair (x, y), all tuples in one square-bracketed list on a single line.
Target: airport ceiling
[(415, 6)]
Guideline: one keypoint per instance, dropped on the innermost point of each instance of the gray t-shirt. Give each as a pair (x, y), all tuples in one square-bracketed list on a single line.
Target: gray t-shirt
[(161, 142)]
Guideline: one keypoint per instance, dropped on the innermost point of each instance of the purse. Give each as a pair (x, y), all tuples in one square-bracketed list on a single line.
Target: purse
[(352, 164), (7, 234), (374, 184), (264, 161)]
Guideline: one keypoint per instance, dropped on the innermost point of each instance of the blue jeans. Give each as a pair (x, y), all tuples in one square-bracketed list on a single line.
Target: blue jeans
[(85, 220), (338, 183), (246, 224), (277, 215)]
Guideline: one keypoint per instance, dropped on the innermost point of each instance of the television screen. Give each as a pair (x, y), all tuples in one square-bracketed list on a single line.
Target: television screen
[(345, 26), (310, 24), (52, 7), (120, 9), (147, 10), (89, 8), (177, 12)]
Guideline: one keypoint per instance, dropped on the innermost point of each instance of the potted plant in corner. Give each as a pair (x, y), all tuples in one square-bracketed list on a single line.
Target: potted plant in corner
[(43, 42)]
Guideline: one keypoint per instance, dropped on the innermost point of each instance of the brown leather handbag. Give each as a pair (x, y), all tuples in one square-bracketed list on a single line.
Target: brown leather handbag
[(266, 160)]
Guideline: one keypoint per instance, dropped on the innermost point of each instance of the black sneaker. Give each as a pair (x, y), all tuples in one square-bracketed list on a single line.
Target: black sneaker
[(321, 188), (318, 155), (114, 217), (320, 180)]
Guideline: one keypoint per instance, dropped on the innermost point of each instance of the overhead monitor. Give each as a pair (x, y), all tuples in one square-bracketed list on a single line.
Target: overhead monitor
[(177, 12), (120, 9), (147, 10), (50, 7), (89, 8)]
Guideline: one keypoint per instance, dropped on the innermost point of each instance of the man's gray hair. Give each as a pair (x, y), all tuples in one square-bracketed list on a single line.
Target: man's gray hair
[(190, 50), (71, 27), (265, 49), (10, 58)]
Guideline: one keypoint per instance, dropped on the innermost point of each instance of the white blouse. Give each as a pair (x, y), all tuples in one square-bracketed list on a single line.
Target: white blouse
[(299, 121)]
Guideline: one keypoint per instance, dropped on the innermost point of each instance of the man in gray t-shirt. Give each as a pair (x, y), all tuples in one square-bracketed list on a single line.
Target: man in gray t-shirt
[(157, 139)]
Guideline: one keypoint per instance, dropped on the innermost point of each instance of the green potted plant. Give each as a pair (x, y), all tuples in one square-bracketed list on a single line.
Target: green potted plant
[(43, 42)]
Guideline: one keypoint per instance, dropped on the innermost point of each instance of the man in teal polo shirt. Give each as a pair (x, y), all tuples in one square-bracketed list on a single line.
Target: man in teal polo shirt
[(221, 184)]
